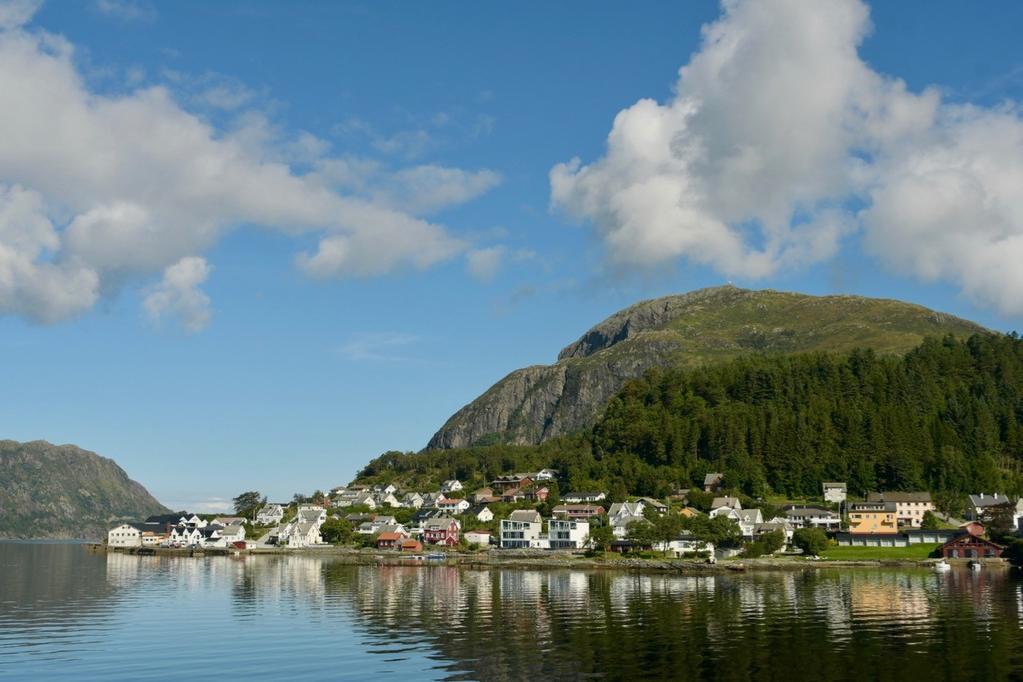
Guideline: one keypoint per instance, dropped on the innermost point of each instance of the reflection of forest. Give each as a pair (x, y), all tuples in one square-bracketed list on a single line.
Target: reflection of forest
[(515, 624)]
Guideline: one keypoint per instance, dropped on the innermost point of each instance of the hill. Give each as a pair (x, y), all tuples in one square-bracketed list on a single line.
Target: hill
[(705, 327), (63, 491), (946, 417)]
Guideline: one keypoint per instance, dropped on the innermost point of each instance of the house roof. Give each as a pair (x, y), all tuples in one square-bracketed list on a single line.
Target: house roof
[(628, 508), (651, 501), (992, 500), (389, 536), (712, 478), (967, 538), (875, 506), (834, 485), (725, 501), (478, 532), (525, 515), (894, 496)]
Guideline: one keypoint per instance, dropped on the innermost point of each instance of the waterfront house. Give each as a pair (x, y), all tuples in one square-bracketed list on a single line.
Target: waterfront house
[(909, 507), (185, 535), (730, 502), (834, 491), (970, 546), (568, 533), (478, 538), (124, 535), (303, 530), (450, 486), (391, 539), (586, 496), (747, 519), (578, 511), (481, 513), (521, 529), (686, 545), (410, 545), (441, 531), (776, 524), (232, 533), (712, 482), (452, 506), (873, 517), (808, 516)]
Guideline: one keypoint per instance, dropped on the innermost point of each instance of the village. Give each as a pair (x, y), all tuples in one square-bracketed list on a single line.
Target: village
[(523, 511)]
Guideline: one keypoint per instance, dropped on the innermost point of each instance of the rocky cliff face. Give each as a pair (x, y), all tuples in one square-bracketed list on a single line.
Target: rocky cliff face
[(534, 404), (63, 491)]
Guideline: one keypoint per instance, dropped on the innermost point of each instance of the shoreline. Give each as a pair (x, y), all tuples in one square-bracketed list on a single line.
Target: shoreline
[(532, 562)]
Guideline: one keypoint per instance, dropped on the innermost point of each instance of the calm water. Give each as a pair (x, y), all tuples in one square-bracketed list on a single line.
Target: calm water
[(66, 612)]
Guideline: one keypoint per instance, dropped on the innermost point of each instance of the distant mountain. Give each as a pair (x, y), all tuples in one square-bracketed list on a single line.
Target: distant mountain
[(704, 327), (63, 491)]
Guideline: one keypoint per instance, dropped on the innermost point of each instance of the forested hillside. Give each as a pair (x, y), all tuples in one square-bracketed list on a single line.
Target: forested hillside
[(947, 416)]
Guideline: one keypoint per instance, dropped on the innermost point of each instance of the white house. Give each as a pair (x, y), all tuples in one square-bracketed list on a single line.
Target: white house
[(479, 538), (304, 529), (777, 523), (453, 506), (385, 489), (269, 515), (192, 521), (386, 500), (185, 535), (233, 533), (521, 529), (746, 518), (585, 496), (834, 491), (651, 503), (546, 475), (412, 501), (619, 509), (125, 535), (804, 516), (365, 500), (452, 486), (567, 533), (686, 545), (481, 513), (980, 506)]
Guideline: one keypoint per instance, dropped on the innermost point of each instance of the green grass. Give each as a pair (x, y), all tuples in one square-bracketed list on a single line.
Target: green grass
[(921, 551)]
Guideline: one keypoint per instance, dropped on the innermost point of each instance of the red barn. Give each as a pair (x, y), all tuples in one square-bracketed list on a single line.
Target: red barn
[(411, 545), (389, 540), (970, 546)]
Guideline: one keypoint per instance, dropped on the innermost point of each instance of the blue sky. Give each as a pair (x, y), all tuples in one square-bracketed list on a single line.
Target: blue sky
[(386, 242)]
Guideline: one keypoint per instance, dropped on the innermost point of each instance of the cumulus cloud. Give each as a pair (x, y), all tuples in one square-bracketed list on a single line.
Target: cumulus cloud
[(780, 140), (178, 294), (99, 190)]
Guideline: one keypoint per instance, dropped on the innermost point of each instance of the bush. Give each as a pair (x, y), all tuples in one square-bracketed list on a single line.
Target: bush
[(812, 541)]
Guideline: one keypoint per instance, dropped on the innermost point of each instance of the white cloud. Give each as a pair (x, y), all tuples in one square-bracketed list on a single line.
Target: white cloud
[(102, 190), (126, 10), (777, 137), (483, 264), (17, 13), (377, 346), (178, 294)]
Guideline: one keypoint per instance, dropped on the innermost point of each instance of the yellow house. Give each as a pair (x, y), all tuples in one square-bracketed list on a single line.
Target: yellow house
[(873, 517)]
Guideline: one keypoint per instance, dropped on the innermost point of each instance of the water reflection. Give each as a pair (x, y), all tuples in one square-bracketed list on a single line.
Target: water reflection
[(65, 611)]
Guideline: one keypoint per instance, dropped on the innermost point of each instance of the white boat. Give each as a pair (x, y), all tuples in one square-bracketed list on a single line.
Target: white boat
[(942, 566)]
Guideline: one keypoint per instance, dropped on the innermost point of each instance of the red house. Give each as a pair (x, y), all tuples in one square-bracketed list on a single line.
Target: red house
[(389, 540), (411, 545), (441, 531), (970, 546)]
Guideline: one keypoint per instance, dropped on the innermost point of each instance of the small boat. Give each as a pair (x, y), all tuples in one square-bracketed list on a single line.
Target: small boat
[(942, 566)]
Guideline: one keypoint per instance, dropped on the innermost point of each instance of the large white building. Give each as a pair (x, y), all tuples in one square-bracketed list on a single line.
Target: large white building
[(521, 530), (125, 535), (568, 533)]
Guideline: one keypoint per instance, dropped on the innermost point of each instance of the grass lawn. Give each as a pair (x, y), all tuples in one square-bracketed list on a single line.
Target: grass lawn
[(921, 551)]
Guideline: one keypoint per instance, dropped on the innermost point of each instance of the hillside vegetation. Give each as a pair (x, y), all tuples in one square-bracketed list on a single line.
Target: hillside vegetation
[(63, 491), (947, 416), (706, 327)]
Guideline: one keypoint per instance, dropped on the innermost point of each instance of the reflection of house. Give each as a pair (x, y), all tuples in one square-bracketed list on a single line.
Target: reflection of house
[(969, 546), (872, 517), (834, 491), (909, 507)]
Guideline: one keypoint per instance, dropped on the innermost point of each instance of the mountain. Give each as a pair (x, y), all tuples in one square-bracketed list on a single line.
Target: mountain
[(63, 491), (704, 327)]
